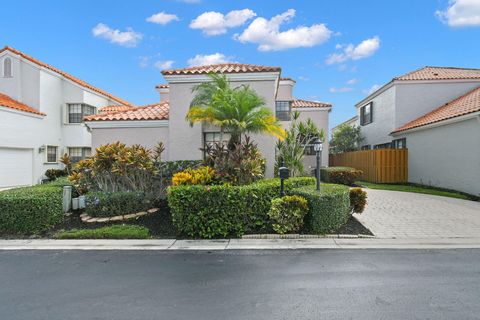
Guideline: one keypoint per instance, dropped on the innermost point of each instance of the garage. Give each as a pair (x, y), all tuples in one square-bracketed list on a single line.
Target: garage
[(16, 167)]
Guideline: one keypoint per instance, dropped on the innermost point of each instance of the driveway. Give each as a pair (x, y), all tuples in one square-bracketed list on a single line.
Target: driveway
[(394, 214)]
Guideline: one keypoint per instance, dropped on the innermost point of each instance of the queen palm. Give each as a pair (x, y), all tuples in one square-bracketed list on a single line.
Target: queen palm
[(235, 110)]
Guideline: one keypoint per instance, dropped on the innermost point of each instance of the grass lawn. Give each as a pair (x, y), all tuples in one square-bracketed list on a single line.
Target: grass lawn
[(110, 232), (418, 189)]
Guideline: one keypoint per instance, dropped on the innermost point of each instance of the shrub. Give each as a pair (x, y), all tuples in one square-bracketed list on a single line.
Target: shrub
[(327, 210), (222, 210), (358, 199), (340, 175), (168, 168), (108, 204), (201, 175), (53, 174), (31, 209), (110, 232), (287, 213)]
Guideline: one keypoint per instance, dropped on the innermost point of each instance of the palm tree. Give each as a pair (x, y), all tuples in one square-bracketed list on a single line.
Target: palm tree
[(235, 110)]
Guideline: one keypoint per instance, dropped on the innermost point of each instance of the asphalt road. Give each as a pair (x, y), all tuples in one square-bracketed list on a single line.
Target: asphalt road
[(283, 284)]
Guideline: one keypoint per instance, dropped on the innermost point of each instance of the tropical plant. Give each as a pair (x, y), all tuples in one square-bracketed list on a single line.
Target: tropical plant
[(287, 213), (237, 110), (300, 136), (201, 175), (345, 139)]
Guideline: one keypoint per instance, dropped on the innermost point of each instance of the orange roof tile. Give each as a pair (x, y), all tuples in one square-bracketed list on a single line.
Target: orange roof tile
[(66, 75), (468, 103), (162, 86), (298, 103), (222, 68), (8, 102), (287, 79), (440, 73), (114, 108), (156, 111)]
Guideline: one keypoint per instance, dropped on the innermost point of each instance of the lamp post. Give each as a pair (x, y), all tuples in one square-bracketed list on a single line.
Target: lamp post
[(283, 173), (317, 146)]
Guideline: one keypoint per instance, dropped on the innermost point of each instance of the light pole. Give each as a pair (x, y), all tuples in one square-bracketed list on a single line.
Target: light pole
[(317, 146)]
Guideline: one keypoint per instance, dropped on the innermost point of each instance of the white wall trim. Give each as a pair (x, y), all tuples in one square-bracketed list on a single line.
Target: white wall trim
[(126, 124), (312, 109), (248, 76), (20, 112)]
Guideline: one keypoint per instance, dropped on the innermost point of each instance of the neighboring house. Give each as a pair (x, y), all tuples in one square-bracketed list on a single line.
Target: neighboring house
[(41, 115), (353, 121), (165, 121)]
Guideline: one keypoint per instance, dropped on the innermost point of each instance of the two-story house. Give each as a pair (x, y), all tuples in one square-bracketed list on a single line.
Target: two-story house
[(165, 120), (41, 117)]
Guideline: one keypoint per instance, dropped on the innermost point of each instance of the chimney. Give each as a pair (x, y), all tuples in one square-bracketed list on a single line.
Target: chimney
[(164, 90)]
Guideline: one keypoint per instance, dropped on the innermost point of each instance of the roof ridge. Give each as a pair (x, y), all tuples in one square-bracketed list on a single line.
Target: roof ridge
[(65, 74), (458, 68)]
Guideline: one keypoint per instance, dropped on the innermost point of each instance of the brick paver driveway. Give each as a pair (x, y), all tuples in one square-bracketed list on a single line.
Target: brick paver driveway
[(394, 214)]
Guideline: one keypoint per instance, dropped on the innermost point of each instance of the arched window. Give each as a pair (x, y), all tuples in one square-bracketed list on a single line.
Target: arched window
[(7, 68)]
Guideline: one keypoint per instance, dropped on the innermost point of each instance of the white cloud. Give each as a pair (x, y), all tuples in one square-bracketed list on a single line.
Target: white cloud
[(267, 34), (303, 78), (201, 60), (164, 64), (214, 23), (372, 89), (127, 38), (340, 90), (143, 61), (162, 18), (461, 13), (364, 49), (352, 81)]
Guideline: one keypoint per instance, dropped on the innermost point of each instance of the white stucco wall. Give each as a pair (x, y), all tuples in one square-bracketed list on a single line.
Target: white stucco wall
[(321, 119), (446, 156)]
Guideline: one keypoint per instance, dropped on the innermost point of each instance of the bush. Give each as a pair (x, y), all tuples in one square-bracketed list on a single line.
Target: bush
[(53, 174), (168, 168), (110, 232), (30, 210), (358, 199), (222, 210), (287, 213), (340, 175), (201, 175), (108, 204), (327, 210)]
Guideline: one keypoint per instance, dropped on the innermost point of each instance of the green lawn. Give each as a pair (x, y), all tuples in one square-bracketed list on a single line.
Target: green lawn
[(110, 232), (417, 189)]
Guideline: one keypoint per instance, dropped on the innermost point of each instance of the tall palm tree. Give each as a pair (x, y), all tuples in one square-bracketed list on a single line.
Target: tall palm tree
[(235, 110)]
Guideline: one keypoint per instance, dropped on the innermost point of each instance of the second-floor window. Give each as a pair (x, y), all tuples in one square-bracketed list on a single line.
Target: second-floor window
[(79, 153), (7, 68), (366, 114), (76, 112), (282, 110)]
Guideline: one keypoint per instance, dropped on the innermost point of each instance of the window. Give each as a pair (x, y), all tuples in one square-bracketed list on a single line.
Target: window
[(78, 153), (52, 153), (309, 149), (387, 145), (366, 114), (282, 110), (76, 112), (211, 138), (7, 68), (399, 143), (366, 147)]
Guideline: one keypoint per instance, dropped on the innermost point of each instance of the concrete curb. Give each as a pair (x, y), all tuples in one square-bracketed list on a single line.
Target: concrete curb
[(241, 244)]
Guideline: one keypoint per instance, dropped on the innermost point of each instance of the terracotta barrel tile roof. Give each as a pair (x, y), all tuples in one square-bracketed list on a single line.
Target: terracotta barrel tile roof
[(66, 75), (8, 102), (162, 86), (298, 103), (114, 108), (287, 79), (156, 111), (440, 73), (222, 68), (468, 103)]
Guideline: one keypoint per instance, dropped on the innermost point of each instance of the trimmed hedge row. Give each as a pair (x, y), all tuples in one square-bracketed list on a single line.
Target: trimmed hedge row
[(109, 204), (222, 210), (327, 210), (31, 209), (340, 175)]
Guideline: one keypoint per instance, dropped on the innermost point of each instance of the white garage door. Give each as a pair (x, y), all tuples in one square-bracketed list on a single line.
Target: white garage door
[(15, 167)]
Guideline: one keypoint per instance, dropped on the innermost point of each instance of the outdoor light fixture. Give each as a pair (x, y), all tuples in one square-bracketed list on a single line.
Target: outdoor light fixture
[(283, 174), (318, 147)]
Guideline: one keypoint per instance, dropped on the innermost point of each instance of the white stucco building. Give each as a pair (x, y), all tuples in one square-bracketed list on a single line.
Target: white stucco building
[(41, 117), (165, 121)]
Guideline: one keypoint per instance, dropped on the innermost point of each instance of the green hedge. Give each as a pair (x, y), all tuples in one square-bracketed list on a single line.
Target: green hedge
[(340, 175), (108, 204), (222, 210), (109, 232), (30, 210), (327, 210)]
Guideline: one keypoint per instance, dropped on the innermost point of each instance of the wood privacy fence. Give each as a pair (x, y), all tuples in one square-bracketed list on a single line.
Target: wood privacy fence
[(378, 166)]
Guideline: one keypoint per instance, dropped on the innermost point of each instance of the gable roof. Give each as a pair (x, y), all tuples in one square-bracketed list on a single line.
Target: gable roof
[(8, 102), (156, 111), (465, 104), (440, 73), (221, 68), (299, 103), (114, 108), (64, 74)]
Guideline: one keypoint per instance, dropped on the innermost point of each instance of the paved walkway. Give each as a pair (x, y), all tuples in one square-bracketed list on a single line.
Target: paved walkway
[(394, 214)]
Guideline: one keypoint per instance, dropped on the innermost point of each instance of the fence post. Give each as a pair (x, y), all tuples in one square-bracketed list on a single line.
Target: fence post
[(67, 198)]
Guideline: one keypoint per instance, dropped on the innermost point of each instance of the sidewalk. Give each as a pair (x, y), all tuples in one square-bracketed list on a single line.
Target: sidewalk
[(241, 244)]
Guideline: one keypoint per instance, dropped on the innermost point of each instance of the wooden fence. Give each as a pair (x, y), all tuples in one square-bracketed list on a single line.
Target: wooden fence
[(378, 166)]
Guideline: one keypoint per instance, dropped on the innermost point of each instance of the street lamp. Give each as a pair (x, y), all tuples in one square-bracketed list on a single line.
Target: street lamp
[(317, 146)]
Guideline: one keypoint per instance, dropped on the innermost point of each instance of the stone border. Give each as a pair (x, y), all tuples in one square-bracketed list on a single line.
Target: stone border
[(304, 236), (88, 219)]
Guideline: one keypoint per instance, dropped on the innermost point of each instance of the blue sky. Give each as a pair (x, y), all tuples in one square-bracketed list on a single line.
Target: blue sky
[(110, 44)]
